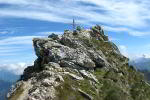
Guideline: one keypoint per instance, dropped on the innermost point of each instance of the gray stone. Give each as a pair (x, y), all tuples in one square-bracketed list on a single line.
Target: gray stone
[(88, 75), (65, 62)]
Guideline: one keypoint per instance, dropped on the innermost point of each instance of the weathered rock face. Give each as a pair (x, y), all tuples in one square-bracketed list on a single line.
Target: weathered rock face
[(83, 65)]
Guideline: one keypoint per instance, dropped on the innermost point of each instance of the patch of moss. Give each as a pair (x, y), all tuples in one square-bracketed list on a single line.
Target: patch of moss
[(86, 41), (112, 75), (97, 43), (100, 72), (130, 75), (87, 87), (68, 90), (107, 48), (91, 89), (116, 94), (111, 91)]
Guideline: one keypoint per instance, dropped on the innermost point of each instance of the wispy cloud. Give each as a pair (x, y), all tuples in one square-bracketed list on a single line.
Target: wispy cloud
[(136, 54), (4, 32), (113, 39), (128, 30), (22, 40), (123, 50), (49, 32), (129, 15), (15, 55), (17, 68), (12, 46), (13, 51)]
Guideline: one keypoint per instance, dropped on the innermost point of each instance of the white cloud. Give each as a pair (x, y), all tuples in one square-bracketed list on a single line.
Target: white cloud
[(128, 30), (50, 32), (123, 12), (146, 55), (130, 15), (12, 46), (22, 40), (17, 68), (135, 57), (123, 50), (113, 39), (4, 32), (132, 55)]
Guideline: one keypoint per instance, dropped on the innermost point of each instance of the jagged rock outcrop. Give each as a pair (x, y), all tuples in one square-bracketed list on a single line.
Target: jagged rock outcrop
[(79, 65)]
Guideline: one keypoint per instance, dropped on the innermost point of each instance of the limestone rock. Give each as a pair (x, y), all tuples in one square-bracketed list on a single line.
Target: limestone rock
[(88, 75), (81, 65)]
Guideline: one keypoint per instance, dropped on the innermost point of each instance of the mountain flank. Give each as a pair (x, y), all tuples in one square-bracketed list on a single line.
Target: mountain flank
[(79, 65), (141, 63), (4, 88)]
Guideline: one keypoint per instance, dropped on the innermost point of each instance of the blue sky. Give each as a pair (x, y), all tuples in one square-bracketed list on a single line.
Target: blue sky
[(126, 22)]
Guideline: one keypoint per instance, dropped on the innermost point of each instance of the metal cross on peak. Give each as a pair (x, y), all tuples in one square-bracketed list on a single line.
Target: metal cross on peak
[(74, 25)]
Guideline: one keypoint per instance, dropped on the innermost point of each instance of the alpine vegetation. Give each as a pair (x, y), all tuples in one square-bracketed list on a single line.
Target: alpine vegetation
[(79, 65)]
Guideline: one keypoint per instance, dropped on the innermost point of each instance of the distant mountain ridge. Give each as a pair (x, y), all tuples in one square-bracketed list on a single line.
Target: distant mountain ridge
[(141, 63), (4, 88), (8, 76), (146, 74), (6, 80)]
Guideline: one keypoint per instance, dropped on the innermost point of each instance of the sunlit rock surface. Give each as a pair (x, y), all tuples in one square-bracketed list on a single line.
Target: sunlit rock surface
[(79, 65)]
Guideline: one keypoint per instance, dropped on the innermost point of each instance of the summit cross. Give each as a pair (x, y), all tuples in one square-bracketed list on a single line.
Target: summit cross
[(74, 25)]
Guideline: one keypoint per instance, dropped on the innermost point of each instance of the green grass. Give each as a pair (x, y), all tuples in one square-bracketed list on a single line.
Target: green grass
[(67, 90), (112, 91), (140, 91), (17, 93)]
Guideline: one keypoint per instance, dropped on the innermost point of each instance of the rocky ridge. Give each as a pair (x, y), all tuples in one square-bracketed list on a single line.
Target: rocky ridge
[(79, 65)]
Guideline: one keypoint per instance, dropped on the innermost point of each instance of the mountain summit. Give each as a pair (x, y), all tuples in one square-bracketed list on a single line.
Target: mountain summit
[(79, 65)]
